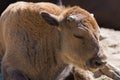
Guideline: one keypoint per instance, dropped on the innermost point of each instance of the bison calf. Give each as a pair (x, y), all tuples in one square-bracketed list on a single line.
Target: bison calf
[(40, 39)]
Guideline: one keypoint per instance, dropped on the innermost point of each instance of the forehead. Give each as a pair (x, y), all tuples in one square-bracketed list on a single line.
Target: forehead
[(78, 12), (81, 14)]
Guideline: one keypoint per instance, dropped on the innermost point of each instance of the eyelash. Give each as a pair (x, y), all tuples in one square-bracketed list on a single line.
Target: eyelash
[(77, 36)]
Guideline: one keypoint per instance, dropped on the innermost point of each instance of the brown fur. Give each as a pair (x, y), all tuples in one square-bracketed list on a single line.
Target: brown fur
[(40, 50)]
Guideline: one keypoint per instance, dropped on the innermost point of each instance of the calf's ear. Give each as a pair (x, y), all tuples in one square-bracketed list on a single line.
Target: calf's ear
[(50, 18)]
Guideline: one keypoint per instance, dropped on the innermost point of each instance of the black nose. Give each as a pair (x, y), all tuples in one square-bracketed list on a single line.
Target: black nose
[(99, 59), (99, 63)]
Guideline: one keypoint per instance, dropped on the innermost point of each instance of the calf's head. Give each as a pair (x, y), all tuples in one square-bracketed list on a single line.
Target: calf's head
[(79, 38)]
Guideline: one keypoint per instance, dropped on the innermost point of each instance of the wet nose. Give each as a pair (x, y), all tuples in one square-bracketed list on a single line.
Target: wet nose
[(98, 63)]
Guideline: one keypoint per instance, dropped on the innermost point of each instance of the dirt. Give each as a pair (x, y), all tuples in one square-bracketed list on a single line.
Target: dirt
[(111, 45)]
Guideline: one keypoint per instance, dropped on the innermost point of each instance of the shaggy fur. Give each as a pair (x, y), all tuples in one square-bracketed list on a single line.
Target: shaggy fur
[(39, 50)]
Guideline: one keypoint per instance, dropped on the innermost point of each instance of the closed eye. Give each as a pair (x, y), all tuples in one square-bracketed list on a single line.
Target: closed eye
[(78, 36)]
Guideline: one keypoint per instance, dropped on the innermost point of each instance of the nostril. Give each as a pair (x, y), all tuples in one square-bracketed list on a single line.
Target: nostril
[(96, 63), (100, 63)]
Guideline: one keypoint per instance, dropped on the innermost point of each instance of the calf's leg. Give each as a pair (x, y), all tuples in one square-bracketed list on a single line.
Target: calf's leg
[(80, 74), (111, 71), (108, 70)]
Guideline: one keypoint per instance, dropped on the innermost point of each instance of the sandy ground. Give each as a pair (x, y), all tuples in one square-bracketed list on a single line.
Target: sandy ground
[(111, 45)]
